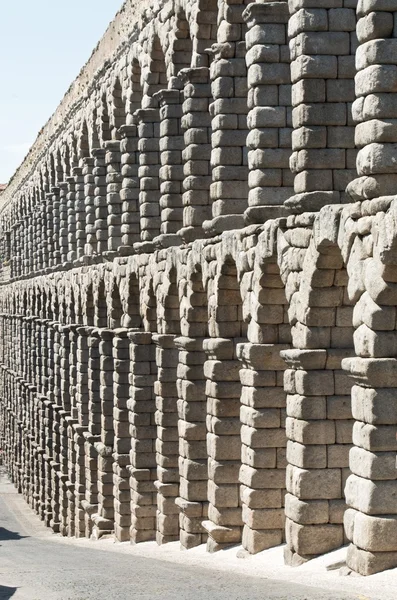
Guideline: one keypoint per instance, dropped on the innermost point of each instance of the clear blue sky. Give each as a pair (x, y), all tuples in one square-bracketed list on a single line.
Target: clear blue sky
[(43, 45)]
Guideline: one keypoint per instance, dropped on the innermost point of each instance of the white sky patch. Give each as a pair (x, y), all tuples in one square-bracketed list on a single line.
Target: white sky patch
[(16, 148)]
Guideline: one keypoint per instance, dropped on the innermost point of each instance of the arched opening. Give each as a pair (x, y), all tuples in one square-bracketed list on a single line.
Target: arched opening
[(58, 168), (169, 316), (158, 70), (222, 369), (50, 312), (262, 409), (101, 313), (72, 308), (172, 136), (83, 143), (89, 312), (66, 163), (116, 311), (166, 418), (182, 47), (134, 94), (118, 109), (132, 318), (149, 309), (104, 123), (207, 32), (149, 134), (51, 174), (95, 143), (319, 418), (192, 413)]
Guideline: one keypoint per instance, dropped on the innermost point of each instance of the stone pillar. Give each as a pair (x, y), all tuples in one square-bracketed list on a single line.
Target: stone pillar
[(64, 353), (43, 233), (113, 200), (262, 473), (371, 520), (90, 503), (167, 451), (101, 211), (47, 459), (229, 190), (31, 244), (171, 171), (79, 482), (149, 161), (129, 193), (70, 425), (104, 519), (14, 250), (71, 199), (224, 524), (312, 487), (196, 123), (122, 440), (269, 118), (79, 210), (322, 45), (141, 406), (89, 200), (49, 233), (56, 484), (63, 222), (56, 249), (192, 499)]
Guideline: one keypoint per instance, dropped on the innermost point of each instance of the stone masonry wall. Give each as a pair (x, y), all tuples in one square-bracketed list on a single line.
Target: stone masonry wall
[(198, 284)]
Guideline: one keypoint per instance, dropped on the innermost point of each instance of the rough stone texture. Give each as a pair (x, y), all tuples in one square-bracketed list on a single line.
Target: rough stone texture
[(199, 284)]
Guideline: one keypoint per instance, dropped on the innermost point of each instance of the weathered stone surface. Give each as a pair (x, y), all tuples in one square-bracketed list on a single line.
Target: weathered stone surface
[(198, 262)]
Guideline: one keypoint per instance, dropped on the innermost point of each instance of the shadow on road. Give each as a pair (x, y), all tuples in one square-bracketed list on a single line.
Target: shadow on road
[(6, 534), (6, 592)]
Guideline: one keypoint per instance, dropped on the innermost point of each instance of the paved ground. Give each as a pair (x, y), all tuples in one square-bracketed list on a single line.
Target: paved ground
[(37, 565)]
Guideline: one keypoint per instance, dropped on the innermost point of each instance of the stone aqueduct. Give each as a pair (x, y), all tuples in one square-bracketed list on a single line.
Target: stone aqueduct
[(199, 284)]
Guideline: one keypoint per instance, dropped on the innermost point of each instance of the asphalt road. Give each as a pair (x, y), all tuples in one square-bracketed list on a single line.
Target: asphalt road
[(35, 566)]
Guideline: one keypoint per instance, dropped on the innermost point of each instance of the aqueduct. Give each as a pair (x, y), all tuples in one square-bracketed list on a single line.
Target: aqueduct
[(199, 284)]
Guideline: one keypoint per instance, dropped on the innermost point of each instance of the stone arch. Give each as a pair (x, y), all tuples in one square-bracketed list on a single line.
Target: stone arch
[(149, 308), (157, 79), (116, 308), (207, 31), (24, 304), (94, 137), (104, 120), (89, 307), (66, 161), (101, 312), (227, 330), (319, 419), (73, 152), (181, 47), (132, 317), (58, 167), (71, 306), (118, 112), (83, 142), (51, 172), (166, 395), (50, 308), (135, 92), (55, 304), (78, 302), (169, 315), (192, 401)]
